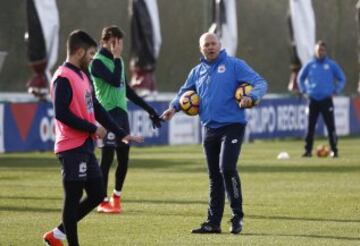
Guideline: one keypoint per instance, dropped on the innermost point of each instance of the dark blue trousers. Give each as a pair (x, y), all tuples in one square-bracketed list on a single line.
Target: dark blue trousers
[(222, 148), (324, 107)]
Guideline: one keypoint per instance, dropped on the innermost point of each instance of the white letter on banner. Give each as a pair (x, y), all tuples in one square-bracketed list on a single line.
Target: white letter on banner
[(291, 117), (252, 117), (52, 129), (270, 119), (261, 120), (303, 119), (45, 129), (342, 115), (184, 129), (280, 118), (267, 122), (141, 124), (47, 126)]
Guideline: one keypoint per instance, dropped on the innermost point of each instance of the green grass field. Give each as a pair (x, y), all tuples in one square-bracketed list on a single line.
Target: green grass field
[(286, 202)]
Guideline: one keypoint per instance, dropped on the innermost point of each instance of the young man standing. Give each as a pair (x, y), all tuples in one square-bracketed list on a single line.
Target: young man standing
[(215, 80), (108, 74), (76, 112), (324, 79)]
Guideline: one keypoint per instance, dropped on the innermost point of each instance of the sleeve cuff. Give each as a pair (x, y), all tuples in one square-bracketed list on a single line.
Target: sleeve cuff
[(255, 99), (93, 129)]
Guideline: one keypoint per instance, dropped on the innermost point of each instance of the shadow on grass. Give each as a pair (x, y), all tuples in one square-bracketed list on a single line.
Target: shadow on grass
[(300, 218), (178, 202), (204, 202), (28, 162), (36, 198), (163, 212), (29, 209), (181, 165), (303, 235)]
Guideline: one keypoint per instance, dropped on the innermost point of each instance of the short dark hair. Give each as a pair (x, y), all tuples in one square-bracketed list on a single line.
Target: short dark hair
[(111, 31), (79, 39), (321, 43)]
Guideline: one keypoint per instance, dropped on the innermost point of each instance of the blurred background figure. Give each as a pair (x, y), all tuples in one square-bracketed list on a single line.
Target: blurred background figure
[(224, 24), (321, 78), (42, 40), (301, 21), (145, 45)]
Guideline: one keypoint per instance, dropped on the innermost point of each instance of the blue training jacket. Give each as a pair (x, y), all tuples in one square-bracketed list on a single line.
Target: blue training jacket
[(216, 82), (321, 78)]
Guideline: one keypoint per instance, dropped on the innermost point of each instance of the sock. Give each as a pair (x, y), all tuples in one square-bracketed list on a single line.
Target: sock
[(117, 193), (59, 234)]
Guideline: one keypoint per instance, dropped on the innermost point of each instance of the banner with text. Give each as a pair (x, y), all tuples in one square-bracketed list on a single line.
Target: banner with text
[(30, 126)]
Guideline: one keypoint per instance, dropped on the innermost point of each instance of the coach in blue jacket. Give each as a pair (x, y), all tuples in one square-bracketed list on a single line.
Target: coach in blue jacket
[(215, 80), (320, 79)]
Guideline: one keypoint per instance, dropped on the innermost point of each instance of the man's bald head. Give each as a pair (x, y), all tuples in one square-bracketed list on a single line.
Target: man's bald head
[(209, 46), (206, 35)]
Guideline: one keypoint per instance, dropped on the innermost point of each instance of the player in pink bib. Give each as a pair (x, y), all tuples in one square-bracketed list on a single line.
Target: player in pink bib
[(76, 112)]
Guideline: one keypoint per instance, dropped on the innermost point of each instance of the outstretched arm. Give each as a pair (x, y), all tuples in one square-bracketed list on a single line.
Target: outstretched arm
[(104, 118), (132, 96)]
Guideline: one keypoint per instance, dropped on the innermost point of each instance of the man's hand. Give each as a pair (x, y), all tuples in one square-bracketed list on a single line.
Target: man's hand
[(155, 119), (129, 138), (116, 47), (100, 132), (246, 102), (168, 114)]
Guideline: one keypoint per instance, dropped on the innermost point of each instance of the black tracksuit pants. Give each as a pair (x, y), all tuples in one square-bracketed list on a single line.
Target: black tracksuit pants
[(324, 107), (222, 148)]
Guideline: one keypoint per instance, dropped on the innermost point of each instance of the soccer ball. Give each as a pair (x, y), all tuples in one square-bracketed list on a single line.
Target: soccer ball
[(322, 150), (189, 103), (243, 90)]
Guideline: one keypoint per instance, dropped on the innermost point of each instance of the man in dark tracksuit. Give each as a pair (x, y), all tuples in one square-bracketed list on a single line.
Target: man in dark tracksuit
[(320, 79), (215, 80)]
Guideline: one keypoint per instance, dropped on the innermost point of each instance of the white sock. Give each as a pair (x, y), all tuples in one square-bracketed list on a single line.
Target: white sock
[(117, 193), (59, 234)]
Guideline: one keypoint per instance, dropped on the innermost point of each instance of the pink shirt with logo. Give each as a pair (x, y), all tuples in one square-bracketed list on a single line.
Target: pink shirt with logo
[(81, 105)]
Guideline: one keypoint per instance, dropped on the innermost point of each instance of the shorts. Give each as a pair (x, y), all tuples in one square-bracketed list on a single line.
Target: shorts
[(78, 166), (121, 118)]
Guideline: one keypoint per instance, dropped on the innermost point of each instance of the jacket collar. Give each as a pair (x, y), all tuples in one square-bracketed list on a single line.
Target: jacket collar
[(74, 68), (222, 55), (320, 60)]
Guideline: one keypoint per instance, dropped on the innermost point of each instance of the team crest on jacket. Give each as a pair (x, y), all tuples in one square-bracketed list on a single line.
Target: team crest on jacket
[(221, 68), (326, 66)]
